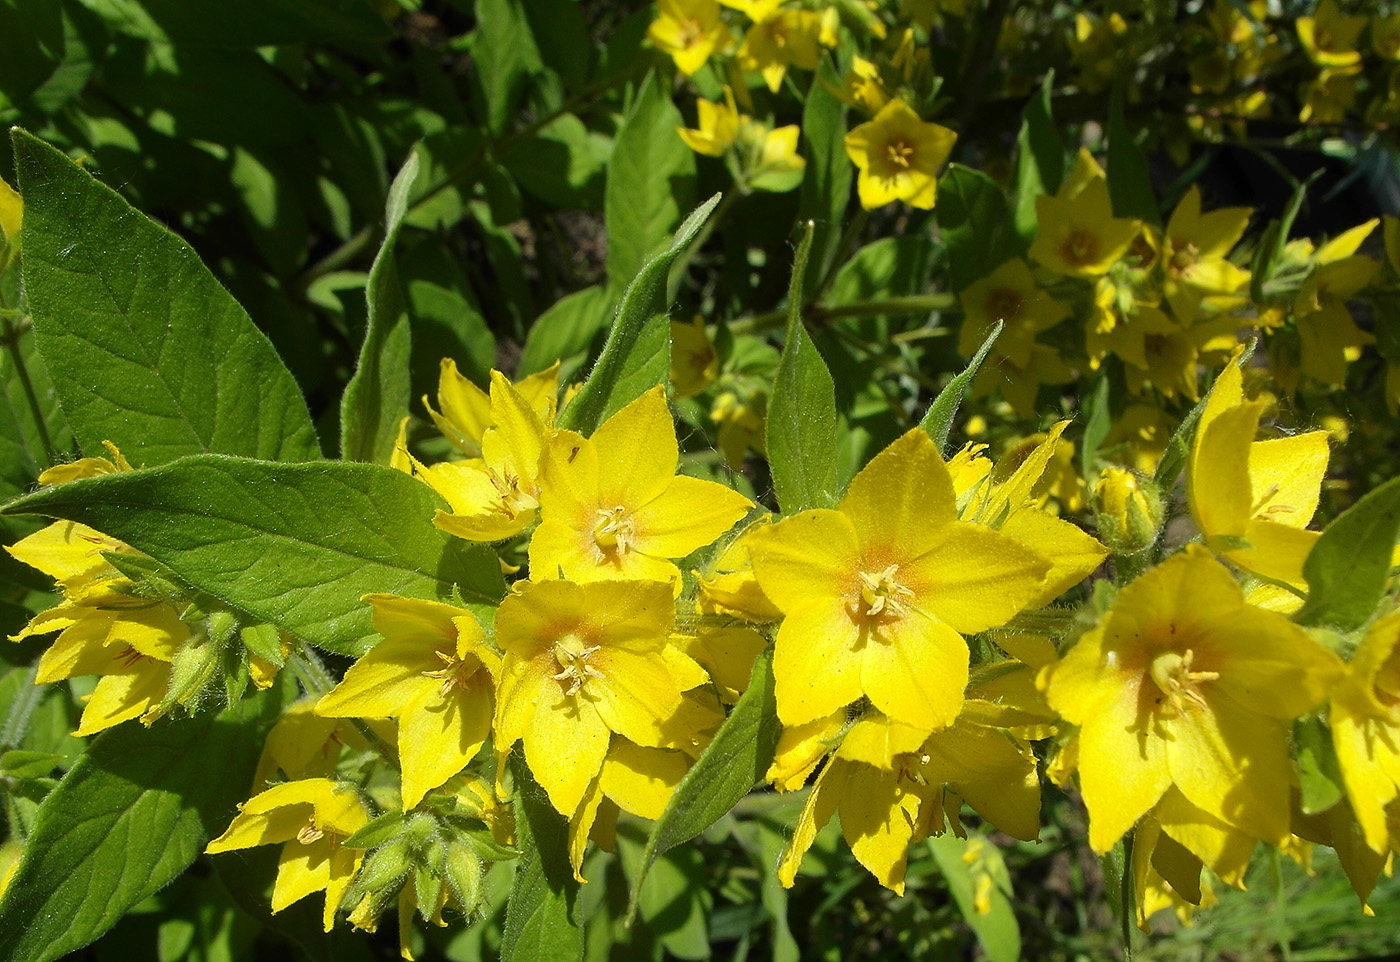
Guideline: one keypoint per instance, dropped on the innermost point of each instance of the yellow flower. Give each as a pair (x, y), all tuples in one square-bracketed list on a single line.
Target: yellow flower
[(612, 505), (583, 662), (878, 593), (303, 744), (898, 156), (1252, 499), (1186, 684), (1012, 499), (863, 88), (719, 126), (694, 362), (689, 31), (1078, 234), (1330, 38), (1385, 36), (893, 787), (1194, 256), (494, 497), (740, 413), (1008, 294), (11, 213), (1330, 336), (433, 672), (466, 409), (779, 39), (770, 159), (1365, 720), (312, 817)]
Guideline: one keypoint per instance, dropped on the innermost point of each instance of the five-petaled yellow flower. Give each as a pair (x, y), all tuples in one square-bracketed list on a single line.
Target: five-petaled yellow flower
[(312, 816), (1186, 684), (878, 593), (612, 505), (435, 673), (898, 156)]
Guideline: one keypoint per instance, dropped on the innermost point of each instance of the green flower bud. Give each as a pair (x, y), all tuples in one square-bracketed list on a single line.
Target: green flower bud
[(1129, 511)]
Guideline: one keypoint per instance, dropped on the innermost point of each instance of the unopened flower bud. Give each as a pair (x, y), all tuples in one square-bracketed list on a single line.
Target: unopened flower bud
[(1129, 511)]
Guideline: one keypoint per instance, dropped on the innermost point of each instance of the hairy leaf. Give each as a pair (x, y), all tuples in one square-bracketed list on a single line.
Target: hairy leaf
[(143, 345), (293, 544)]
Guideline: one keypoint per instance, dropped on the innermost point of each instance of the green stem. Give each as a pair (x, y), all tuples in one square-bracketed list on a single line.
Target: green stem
[(982, 55), (1280, 905), (12, 335), (1054, 622), (913, 304)]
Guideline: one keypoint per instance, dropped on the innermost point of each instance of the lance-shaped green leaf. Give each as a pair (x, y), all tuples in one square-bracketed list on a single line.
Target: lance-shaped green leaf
[(996, 928), (377, 396), (801, 425), (1040, 159), (612, 382), (539, 916), (730, 766), (976, 225), (129, 816), (145, 348), (938, 419), (651, 181), (1129, 180), (292, 544), (1348, 567), (826, 189)]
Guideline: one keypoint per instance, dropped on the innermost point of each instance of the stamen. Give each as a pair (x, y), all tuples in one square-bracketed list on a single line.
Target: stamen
[(880, 593), (1172, 673)]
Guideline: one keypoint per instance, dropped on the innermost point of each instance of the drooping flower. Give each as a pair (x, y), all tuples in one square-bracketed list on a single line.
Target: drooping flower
[(312, 817), (435, 673), (718, 126), (898, 156), (1365, 720), (1253, 499), (893, 787), (612, 505), (1185, 684), (466, 409), (878, 594), (494, 497), (694, 362)]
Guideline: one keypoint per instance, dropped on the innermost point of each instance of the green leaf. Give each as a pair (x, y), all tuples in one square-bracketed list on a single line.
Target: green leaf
[(377, 396), (643, 303), (506, 58), (564, 164), (938, 420), (1320, 774), (1040, 159), (249, 23), (144, 347), (566, 329), (292, 544), (1348, 567), (129, 817), (976, 225), (997, 929), (1129, 180), (651, 182), (727, 770), (801, 426), (539, 916)]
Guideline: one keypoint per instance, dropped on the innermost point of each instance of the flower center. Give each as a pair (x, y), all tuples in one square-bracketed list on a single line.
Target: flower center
[(613, 530), (1172, 673), (309, 833), (572, 655), (880, 593), (692, 32), (1080, 247), (1185, 256), (1005, 304), (455, 672), (901, 153), (515, 499)]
